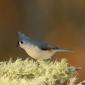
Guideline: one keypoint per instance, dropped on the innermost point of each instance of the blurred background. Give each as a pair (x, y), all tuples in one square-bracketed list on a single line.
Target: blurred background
[(59, 22)]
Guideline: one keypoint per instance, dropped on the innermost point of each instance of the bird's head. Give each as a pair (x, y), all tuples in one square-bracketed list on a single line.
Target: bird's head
[(23, 40)]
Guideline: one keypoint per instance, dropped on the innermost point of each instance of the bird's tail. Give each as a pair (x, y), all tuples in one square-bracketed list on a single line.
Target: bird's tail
[(64, 50)]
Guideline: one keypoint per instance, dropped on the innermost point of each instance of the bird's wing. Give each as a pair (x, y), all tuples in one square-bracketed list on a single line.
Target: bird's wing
[(52, 47), (47, 47)]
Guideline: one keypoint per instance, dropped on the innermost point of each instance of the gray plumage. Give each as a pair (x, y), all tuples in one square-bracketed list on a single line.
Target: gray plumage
[(32, 46)]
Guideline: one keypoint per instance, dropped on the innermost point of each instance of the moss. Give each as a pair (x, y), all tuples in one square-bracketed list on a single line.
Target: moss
[(29, 72)]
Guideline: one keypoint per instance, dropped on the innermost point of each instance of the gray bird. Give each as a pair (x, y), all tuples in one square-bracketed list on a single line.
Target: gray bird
[(36, 49)]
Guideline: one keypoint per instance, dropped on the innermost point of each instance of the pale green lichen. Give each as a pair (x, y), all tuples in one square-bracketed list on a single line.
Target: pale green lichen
[(29, 72)]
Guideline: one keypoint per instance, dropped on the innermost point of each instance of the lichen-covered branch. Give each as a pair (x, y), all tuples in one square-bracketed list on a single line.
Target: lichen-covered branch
[(29, 72)]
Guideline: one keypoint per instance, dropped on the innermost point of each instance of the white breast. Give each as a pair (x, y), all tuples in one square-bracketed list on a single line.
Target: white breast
[(35, 52)]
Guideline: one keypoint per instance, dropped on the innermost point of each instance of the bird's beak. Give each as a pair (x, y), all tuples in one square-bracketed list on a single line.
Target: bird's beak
[(17, 45)]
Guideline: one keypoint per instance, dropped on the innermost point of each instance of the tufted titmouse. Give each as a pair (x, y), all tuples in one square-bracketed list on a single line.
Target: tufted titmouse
[(36, 49)]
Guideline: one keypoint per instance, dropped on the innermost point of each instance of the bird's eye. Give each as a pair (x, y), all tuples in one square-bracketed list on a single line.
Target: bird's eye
[(21, 42)]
